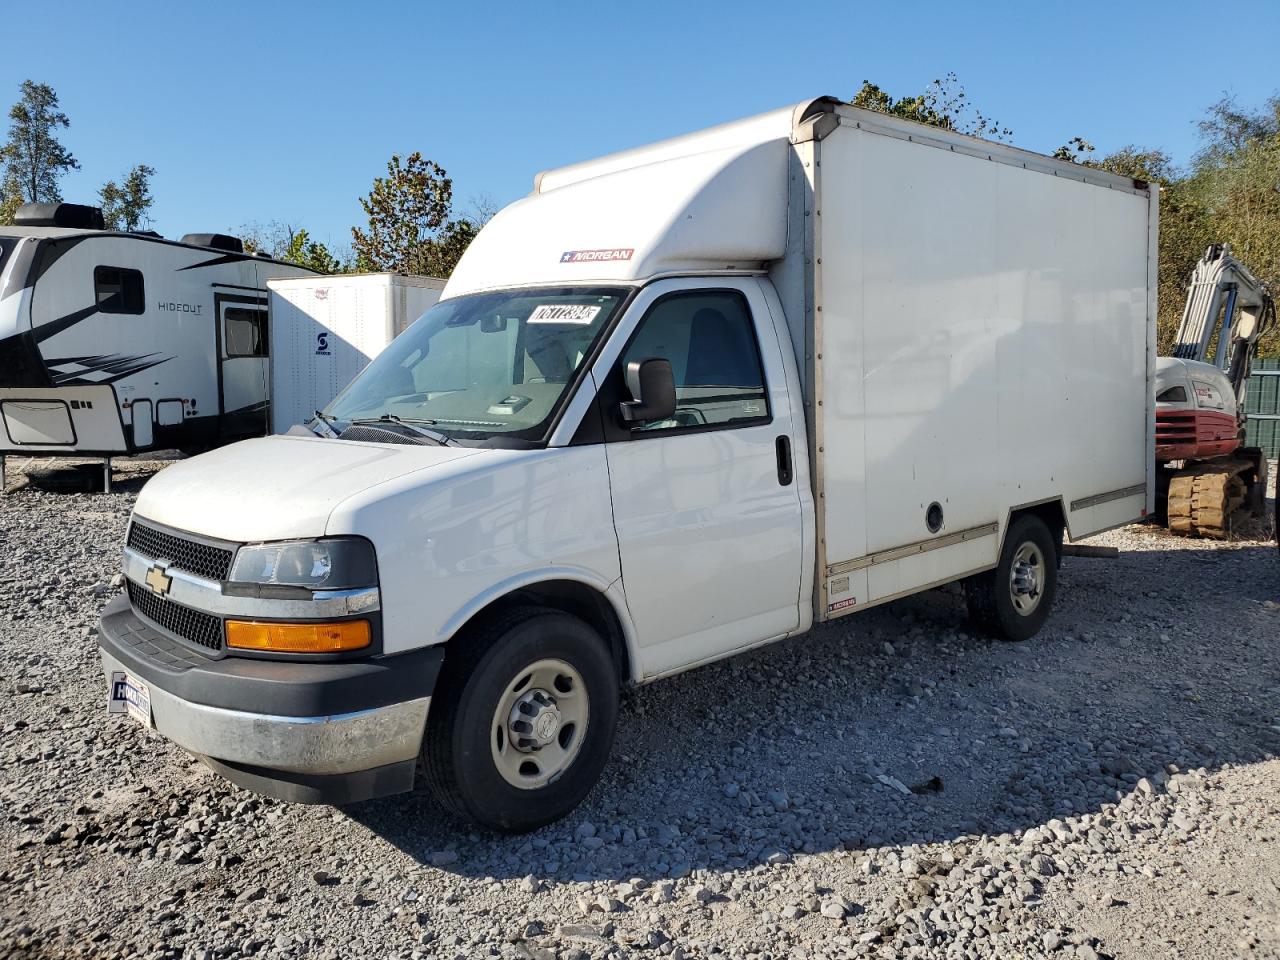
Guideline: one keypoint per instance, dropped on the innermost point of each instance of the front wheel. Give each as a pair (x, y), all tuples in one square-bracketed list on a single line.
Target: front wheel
[(523, 720), (1013, 600)]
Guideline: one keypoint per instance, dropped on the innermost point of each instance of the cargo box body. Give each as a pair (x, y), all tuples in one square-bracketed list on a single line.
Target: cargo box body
[(976, 329)]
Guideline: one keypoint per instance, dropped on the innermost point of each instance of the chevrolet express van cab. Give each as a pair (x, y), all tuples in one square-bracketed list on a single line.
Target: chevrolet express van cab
[(677, 403)]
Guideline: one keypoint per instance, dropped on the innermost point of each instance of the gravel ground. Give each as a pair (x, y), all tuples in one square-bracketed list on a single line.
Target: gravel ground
[(890, 786)]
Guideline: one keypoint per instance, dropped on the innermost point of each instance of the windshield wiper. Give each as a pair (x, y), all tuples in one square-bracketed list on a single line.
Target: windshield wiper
[(328, 422), (415, 424)]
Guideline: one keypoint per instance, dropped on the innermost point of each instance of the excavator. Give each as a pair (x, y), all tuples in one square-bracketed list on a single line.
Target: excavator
[(1205, 473)]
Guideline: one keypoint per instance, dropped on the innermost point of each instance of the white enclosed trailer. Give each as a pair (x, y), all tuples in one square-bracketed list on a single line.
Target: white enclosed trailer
[(326, 330), (677, 403)]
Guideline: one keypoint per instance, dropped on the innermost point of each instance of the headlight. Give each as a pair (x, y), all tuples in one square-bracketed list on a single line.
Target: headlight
[(338, 564)]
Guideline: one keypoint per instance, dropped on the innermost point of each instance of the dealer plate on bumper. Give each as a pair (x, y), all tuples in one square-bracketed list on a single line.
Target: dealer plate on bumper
[(130, 695)]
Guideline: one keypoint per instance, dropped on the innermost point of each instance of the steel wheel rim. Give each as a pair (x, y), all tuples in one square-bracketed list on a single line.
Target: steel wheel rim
[(539, 724), (1026, 578)]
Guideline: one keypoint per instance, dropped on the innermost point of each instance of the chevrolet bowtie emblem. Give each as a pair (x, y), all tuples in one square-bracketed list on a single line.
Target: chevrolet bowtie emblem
[(158, 580)]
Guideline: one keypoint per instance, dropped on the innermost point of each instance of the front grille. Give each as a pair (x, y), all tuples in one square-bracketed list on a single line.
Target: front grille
[(201, 628), (202, 559)]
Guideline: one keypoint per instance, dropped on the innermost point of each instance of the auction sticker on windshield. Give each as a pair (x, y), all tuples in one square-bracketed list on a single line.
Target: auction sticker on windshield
[(130, 695), (563, 313)]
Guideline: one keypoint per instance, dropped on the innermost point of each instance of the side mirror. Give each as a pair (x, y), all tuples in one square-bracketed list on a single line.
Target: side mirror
[(653, 389)]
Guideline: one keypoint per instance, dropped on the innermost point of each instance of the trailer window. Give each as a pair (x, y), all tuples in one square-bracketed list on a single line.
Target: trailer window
[(118, 290), (246, 332), (710, 341)]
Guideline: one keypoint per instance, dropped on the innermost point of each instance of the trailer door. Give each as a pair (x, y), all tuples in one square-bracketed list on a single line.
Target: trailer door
[(244, 352)]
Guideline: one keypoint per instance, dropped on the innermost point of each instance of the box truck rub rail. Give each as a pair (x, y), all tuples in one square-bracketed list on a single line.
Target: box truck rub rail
[(832, 358)]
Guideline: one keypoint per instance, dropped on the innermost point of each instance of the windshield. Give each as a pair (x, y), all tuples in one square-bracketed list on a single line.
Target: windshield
[(486, 364)]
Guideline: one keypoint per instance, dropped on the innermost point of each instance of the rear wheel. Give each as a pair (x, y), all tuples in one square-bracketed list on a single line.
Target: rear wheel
[(523, 720), (1013, 600)]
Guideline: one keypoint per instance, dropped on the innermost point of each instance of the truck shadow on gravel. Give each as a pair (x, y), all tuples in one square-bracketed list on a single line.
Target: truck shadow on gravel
[(901, 726)]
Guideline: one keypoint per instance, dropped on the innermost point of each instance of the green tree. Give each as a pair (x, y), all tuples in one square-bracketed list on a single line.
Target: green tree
[(127, 205), (280, 241), (438, 257), (1230, 194), (406, 209), (268, 239), (411, 226), (305, 252), (483, 209), (1236, 177), (1075, 150), (10, 198), (33, 155), (1152, 166), (944, 103)]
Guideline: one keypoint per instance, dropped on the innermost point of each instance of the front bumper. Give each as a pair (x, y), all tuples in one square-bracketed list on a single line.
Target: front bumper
[(310, 732)]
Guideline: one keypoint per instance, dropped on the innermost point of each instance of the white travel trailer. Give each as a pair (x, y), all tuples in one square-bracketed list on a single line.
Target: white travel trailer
[(117, 343), (677, 403)]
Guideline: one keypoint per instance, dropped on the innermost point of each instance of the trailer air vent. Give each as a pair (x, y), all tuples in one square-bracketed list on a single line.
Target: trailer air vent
[(215, 241), (74, 215)]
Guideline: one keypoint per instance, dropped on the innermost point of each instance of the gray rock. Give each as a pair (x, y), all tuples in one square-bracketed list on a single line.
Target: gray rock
[(835, 909)]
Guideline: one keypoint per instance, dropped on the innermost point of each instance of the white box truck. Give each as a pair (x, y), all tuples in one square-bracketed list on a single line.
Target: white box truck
[(677, 403), (325, 330)]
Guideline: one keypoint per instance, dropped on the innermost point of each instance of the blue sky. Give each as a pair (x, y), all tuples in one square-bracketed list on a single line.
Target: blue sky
[(277, 111)]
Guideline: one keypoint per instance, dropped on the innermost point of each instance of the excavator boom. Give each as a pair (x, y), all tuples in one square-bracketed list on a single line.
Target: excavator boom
[(1227, 310)]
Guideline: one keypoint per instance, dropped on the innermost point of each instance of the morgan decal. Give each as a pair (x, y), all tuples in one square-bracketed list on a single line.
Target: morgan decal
[(595, 256)]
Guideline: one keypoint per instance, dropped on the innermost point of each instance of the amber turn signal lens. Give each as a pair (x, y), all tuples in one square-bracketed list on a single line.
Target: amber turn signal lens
[(298, 637)]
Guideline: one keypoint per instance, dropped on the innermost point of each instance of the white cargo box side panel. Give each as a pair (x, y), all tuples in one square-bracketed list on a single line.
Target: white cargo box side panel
[(983, 333), (323, 332)]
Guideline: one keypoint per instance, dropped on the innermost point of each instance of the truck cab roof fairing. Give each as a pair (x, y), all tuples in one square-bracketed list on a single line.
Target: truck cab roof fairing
[(674, 205), (683, 213)]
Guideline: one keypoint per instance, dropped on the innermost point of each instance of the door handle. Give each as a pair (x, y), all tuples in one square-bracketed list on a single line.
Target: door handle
[(783, 447)]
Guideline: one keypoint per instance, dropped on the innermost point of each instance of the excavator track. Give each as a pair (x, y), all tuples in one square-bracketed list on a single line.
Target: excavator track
[(1203, 497)]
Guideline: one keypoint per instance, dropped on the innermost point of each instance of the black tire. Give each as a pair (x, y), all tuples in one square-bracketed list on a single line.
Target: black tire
[(478, 670), (990, 596)]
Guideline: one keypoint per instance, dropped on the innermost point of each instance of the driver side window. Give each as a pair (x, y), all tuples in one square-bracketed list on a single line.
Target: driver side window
[(710, 341)]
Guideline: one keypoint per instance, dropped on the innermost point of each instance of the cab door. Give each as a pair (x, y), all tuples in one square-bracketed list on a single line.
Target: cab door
[(707, 513), (244, 357)]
